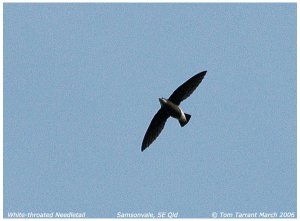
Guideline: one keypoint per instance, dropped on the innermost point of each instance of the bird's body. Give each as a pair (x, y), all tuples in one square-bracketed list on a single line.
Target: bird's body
[(170, 108), (174, 110)]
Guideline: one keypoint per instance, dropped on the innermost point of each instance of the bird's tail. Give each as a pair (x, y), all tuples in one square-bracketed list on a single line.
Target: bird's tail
[(187, 117)]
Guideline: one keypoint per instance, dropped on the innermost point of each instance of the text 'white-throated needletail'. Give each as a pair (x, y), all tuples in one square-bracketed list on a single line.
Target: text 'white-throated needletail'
[(170, 108)]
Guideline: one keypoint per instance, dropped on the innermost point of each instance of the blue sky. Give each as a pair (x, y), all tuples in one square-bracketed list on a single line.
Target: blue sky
[(81, 85)]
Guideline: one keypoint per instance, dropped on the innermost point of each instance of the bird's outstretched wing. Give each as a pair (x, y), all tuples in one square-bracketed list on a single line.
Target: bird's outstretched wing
[(155, 127), (186, 89)]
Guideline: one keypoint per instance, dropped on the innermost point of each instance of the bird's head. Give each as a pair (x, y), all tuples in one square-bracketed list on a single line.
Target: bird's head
[(162, 101)]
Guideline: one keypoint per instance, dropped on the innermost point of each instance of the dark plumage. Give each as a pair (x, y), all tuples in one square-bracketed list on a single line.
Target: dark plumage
[(170, 107)]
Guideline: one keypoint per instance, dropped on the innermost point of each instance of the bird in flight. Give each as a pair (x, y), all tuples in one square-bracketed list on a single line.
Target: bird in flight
[(170, 107)]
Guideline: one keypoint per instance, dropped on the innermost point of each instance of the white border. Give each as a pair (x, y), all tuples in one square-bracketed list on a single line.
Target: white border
[(131, 1), (149, 1), (1, 113)]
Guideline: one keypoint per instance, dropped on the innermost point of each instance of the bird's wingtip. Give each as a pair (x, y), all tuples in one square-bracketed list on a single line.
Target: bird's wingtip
[(203, 72)]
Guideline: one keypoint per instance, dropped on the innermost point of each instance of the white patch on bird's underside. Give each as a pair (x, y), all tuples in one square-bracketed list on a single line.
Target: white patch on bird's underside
[(182, 116)]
